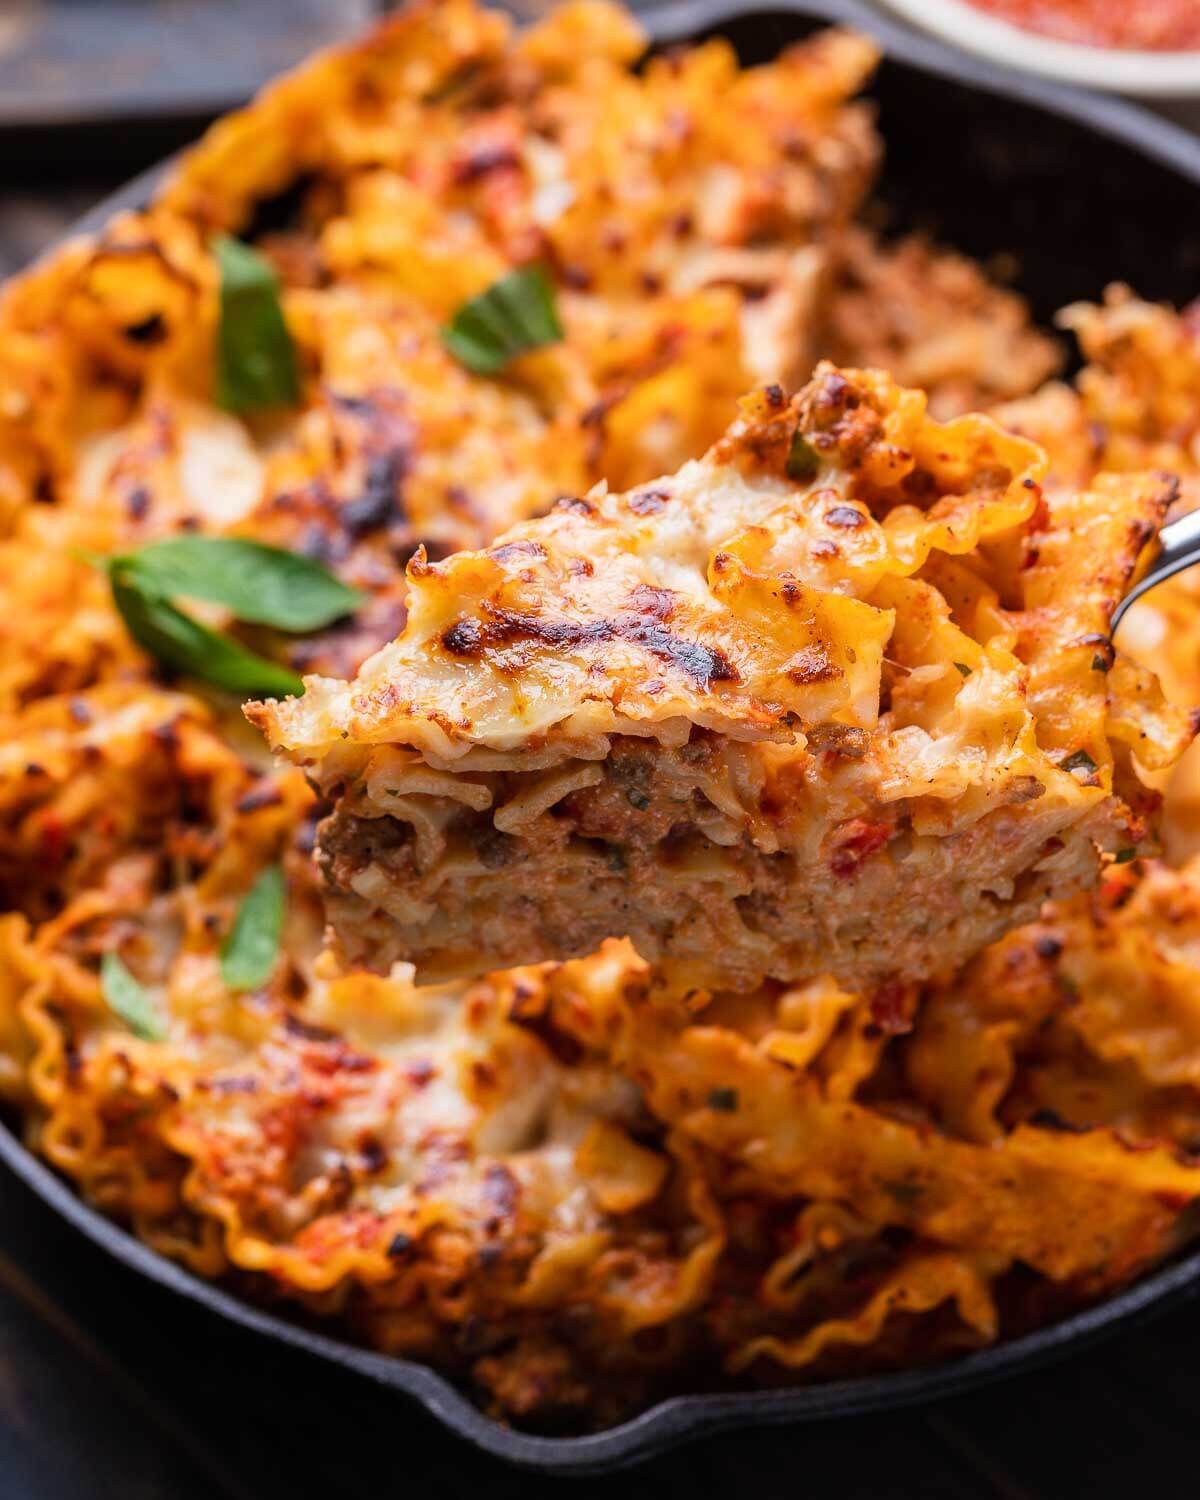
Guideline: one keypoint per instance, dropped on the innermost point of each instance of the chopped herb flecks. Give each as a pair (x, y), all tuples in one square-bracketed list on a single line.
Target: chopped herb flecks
[(803, 460), (1080, 761), (723, 1099)]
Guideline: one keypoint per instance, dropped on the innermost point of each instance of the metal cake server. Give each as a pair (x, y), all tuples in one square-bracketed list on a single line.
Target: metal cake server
[(1178, 548)]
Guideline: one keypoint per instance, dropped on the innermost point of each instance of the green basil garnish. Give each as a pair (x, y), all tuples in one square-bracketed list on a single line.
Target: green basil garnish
[(803, 460), (249, 952), (261, 585), (175, 638), (127, 999), (256, 362), (515, 314)]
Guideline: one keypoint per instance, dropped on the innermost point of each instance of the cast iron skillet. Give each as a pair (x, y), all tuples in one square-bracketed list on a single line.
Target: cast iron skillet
[(1084, 190)]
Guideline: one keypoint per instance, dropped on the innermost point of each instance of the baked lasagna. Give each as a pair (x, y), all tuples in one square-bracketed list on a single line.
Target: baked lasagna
[(569, 1187), (836, 699)]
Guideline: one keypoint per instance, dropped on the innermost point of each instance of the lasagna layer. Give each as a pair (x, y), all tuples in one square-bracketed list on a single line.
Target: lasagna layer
[(838, 698)]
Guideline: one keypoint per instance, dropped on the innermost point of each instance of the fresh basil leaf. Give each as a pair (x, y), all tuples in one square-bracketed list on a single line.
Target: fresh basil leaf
[(262, 585), (183, 643), (249, 952), (126, 998), (514, 315), (256, 362)]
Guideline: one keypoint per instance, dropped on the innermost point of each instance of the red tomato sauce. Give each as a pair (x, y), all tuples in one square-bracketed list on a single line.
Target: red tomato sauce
[(1139, 25)]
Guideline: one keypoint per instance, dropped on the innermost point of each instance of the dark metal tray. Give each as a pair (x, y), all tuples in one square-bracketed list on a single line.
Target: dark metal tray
[(1082, 190)]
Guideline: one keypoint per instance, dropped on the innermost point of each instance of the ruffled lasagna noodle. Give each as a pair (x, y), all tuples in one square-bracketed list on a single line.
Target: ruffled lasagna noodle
[(837, 699), (564, 1186)]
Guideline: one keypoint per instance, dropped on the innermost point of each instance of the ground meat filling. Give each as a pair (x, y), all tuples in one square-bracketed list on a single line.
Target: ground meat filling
[(679, 851)]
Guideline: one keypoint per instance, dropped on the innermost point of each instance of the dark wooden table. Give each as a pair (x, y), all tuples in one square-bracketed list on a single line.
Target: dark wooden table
[(110, 1387)]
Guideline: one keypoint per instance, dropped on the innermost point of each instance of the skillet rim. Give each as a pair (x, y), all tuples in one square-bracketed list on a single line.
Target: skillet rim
[(680, 1418)]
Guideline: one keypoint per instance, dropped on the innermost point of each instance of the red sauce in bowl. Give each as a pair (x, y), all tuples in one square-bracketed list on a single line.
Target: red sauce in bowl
[(1137, 25)]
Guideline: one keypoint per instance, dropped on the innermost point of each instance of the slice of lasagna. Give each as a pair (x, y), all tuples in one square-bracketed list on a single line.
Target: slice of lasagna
[(837, 698)]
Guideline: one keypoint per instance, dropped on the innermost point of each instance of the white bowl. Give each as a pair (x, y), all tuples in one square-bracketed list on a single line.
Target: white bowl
[(1149, 74)]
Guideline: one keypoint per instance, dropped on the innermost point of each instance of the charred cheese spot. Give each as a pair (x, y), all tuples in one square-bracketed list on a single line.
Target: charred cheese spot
[(648, 502), (846, 516), (510, 550), (812, 665), (463, 638)]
